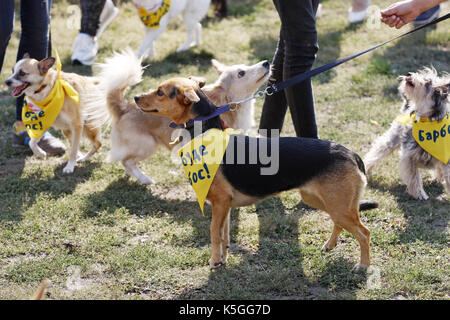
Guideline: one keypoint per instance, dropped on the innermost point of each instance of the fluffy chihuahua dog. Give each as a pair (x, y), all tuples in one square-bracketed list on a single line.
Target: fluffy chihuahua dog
[(425, 96), (329, 176), (36, 80), (136, 135)]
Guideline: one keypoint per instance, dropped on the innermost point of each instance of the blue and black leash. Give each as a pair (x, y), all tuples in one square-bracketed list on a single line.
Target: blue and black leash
[(274, 88), (309, 74)]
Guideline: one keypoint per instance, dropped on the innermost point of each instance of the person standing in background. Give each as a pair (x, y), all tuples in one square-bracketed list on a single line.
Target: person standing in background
[(96, 15), (403, 12), (295, 54), (34, 40)]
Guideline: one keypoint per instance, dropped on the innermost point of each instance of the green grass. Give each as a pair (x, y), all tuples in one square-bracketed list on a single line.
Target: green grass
[(97, 234)]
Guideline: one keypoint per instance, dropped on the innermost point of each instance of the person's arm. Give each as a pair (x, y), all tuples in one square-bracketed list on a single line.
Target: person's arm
[(400, 13)]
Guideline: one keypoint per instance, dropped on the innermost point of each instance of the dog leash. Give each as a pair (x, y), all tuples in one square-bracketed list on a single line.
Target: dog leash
[(270, 90), (274, 88), (190, 123)]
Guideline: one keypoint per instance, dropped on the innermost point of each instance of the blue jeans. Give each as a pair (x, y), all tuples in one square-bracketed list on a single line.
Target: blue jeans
[(34, 38), (295, 54)]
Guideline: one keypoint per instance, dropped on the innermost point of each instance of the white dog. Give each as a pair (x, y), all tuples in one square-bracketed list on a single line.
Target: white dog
[(156, 15)]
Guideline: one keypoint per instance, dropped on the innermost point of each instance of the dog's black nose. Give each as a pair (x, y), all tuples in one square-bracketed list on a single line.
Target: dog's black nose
[(136, 99), (266, 64), (8, 82)]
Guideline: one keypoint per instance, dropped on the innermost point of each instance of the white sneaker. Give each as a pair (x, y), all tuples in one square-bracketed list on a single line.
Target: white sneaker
[(108, 14), (319, 11), (357, 16), (84, 49)]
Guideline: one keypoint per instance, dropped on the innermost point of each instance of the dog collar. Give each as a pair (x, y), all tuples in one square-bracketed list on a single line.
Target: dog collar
[(40, 89), (409, 118), (190, 123), (431, 135)]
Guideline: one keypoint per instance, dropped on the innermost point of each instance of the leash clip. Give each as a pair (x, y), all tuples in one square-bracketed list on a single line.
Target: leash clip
[(260, 94), (270, 90)]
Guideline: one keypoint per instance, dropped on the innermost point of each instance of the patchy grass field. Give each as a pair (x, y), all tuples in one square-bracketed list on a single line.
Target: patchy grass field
[(97, 234)]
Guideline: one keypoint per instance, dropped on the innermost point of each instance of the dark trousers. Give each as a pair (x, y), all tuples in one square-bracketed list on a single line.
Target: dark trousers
[(295, 54), (34, 38), (90, 16)]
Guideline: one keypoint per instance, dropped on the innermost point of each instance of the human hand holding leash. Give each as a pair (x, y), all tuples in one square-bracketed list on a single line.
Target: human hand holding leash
[(400, 13)]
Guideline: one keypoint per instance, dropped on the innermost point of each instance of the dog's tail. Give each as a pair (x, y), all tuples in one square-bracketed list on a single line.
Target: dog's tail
[(120, 71), (39, 294), (367, 205), (359, 163), (364, 204)]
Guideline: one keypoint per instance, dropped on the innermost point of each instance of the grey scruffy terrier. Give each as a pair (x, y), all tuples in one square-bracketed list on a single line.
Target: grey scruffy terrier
[(426, 95)]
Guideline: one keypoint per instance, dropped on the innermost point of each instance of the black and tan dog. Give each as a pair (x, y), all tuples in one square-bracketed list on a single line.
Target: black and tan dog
[(329, 176)]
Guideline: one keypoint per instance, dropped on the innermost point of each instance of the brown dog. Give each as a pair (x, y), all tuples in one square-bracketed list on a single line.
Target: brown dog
[(135, 135), (329, 176), (37, 78)]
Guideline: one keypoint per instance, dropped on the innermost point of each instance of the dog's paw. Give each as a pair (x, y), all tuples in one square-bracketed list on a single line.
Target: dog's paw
[(81, 157), (214, 265), (326, 248), (424, 196), (421, 196), (40, 154), (185, 47), (224, 260), (181, 49), (146, 181), (69, 168), (359, 268), (418, 194)]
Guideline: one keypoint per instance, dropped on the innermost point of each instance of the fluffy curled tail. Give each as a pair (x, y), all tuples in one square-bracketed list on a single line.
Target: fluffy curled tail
[(120, 71)]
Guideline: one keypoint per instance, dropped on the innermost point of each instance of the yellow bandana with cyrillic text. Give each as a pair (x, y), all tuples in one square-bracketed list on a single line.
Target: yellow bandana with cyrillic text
[(201, 158), (152, 19), (38, 116), (432, 135)]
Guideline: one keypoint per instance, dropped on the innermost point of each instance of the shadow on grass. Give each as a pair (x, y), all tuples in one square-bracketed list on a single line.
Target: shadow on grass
[(329, 49), (238, 8), (68, 67), (426, 220), (19, 192), (138, 199), (174, 60), (419, 52), (275, 270)]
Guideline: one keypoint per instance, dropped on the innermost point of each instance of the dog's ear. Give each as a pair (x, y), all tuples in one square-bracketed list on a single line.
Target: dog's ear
[(45, 64), (220, 67), (201, 81), (189, 96), (444, 90), (26, 56)]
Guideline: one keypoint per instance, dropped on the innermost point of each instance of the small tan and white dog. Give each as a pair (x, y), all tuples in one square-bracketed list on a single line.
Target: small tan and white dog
[(36, 80), (136, 135), (425, 96), (156, 15)]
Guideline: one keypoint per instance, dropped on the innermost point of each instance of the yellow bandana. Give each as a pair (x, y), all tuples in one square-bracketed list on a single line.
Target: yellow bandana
[(201, 158), (432, 136), (152, 19), (38, 117)]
